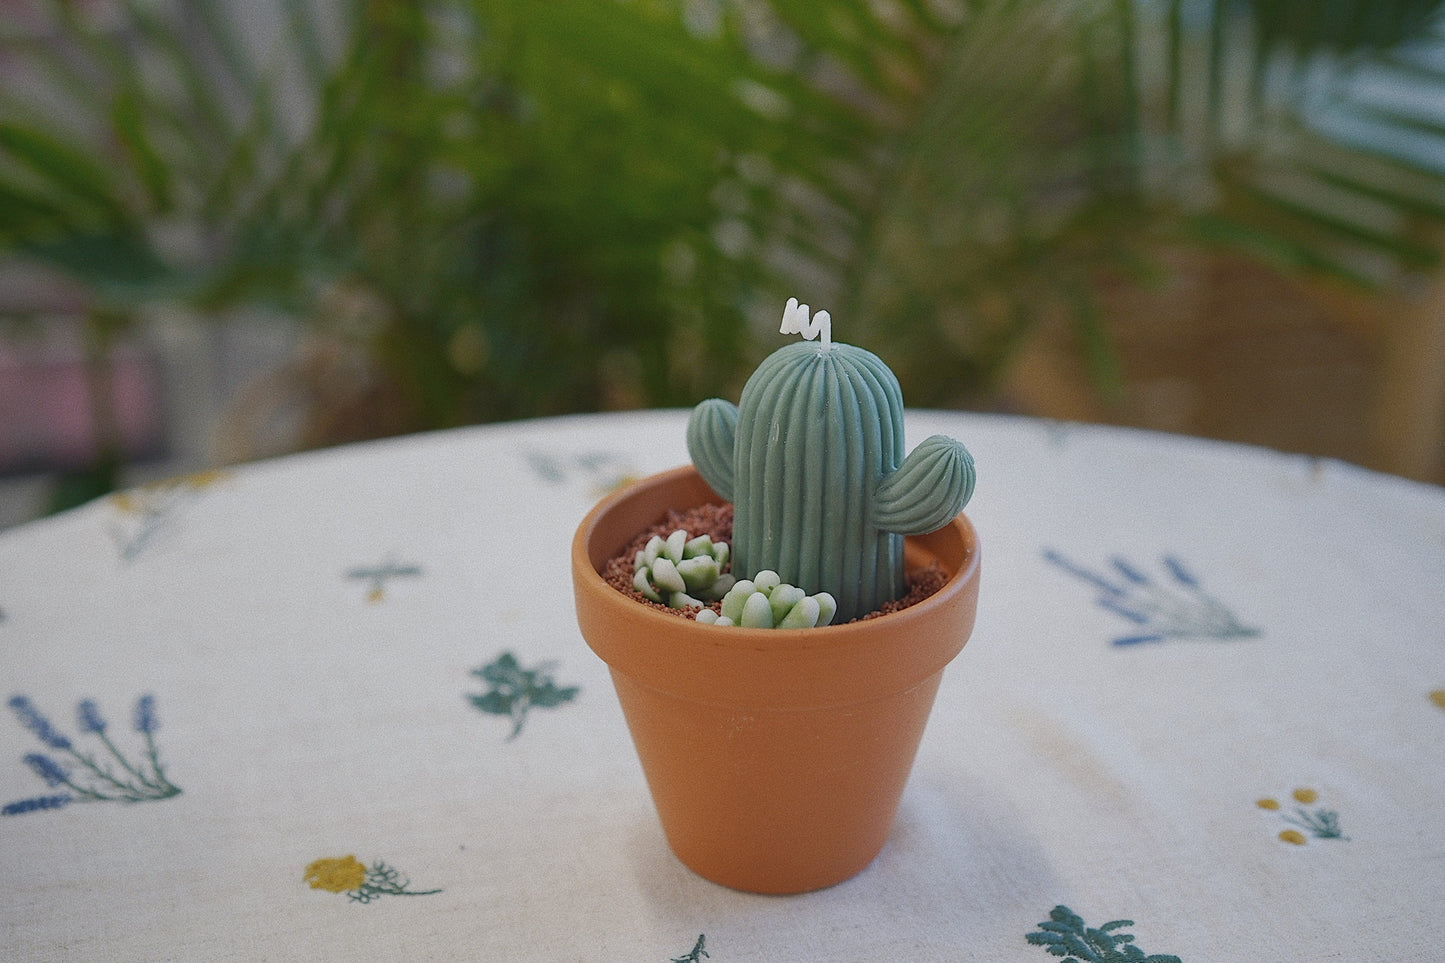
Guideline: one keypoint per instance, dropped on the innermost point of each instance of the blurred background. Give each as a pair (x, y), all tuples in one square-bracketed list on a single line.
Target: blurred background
[(232, 229)]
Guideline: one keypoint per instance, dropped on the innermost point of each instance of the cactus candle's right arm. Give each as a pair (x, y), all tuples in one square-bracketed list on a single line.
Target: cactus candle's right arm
[(932, 485)]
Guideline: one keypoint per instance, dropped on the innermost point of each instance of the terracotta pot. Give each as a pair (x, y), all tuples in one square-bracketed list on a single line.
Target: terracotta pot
[(776, 758)]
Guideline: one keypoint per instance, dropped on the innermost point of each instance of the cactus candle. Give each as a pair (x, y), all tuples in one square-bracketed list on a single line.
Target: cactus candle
[(777, 758), (812, 460)]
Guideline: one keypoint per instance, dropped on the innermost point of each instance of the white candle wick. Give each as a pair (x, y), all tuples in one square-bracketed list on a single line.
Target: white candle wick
[(796, 321)]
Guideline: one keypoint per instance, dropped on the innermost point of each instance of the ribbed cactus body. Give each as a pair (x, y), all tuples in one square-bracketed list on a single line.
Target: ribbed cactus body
[(812, 460)]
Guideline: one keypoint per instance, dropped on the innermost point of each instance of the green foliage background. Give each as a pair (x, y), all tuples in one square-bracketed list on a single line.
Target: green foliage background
[(525, 208)]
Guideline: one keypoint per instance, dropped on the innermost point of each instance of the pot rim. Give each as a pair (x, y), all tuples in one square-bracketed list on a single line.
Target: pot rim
[(740, 637)]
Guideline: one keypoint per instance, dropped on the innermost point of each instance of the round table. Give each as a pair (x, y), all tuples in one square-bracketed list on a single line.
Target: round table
[(336, 706)]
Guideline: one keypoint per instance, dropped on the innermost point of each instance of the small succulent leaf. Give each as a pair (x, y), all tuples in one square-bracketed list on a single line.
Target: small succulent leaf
[(642, 584), (702, 545), (827, 608), (803, 615), (724, 620), (653, 549), (736, 597), (665, 576), (757, 613), (681, 600), (767, 580), (720, 588), (782, 600), (707, 617), (698, 573), (674, 546), (722, 553), (711, 434)]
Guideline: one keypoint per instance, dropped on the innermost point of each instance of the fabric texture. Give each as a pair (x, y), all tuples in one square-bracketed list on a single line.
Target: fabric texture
[(336, 706)]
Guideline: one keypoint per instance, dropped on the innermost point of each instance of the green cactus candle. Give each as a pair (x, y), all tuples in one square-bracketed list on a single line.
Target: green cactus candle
[(812, 460)]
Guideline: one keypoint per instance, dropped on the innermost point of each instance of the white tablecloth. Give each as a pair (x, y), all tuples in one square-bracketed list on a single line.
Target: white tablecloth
[(336, 706)]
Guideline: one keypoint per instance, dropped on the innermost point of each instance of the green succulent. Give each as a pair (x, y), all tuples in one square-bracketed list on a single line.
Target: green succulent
[(767, 602), (679, 571)]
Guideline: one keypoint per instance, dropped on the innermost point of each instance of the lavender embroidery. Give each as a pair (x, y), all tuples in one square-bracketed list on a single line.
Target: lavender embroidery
[(1157, 609), (603, 471), (86, 776)]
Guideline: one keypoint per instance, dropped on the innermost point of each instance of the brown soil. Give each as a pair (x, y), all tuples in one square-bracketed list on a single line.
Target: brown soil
[(717, 521)]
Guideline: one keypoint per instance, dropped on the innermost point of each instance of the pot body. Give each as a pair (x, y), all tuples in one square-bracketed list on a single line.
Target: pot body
[(776, 758)]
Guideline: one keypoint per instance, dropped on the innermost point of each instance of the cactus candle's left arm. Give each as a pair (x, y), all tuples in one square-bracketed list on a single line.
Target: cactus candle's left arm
[(812, 462)]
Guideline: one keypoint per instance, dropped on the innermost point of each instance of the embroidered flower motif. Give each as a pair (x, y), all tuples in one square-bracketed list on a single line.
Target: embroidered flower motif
[(1173, 607), (1064, 934), (376, 577), (1319, 823), (347, 874), (91, 777), (1438, 697), (697, 954), (515, 690), (604, 472), (336, 875), (143, 512)]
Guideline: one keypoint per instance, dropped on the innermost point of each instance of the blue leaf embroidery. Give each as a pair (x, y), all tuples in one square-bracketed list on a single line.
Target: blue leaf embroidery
[(86, 775), (1175, 606)]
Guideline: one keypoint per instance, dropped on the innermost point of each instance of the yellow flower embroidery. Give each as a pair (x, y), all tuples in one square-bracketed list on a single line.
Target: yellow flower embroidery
[(336, 875), (1438, 697), (148, 496), (361, 884), (205, 478), (1317, 823)]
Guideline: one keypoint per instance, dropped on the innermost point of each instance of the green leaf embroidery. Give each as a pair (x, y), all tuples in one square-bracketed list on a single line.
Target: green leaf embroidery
[(697, 951), (1064, 934), (515, 690)]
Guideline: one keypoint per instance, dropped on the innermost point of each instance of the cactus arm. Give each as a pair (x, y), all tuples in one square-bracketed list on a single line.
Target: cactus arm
[(932, 485), (711, 432)]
